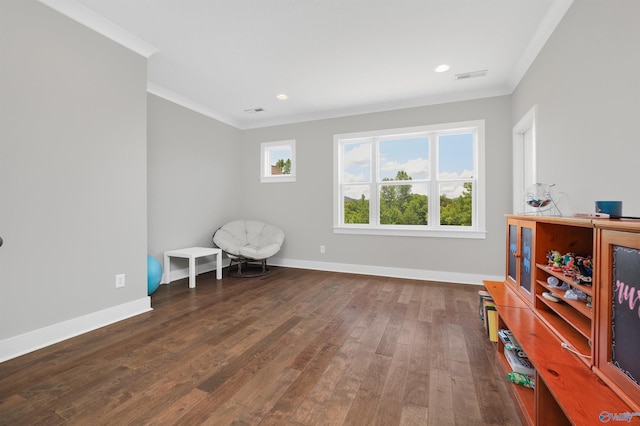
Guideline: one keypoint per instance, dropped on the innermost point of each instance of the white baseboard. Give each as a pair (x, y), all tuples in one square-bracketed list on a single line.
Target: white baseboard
[(37, 339), (386, 271)]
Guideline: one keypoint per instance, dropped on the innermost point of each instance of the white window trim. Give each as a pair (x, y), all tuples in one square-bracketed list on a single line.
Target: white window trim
[(478, 231), (527, 123), (268, 177)]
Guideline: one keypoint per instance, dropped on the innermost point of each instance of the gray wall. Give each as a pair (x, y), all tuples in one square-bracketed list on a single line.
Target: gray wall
[(194, 178), (72, 169), (586, 87), (304, 209)]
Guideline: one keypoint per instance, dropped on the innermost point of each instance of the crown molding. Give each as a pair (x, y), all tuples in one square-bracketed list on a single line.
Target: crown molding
[(97, 23), (160, 91), (547, 26), (380, 107)]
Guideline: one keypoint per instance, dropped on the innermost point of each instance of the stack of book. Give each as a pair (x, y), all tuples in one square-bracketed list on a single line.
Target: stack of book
[(522, 371), (488, 314)]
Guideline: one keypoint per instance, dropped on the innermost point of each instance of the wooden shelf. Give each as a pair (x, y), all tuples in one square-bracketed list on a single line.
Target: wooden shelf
[(525, 397), (565, 221), (578, 305), (503, 296), (565, 319), (580, 394), (569, 280), (627, 225), (570, 320), (536, 337)]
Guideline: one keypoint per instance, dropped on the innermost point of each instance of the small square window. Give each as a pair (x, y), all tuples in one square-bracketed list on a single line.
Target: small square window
[(278, 161)]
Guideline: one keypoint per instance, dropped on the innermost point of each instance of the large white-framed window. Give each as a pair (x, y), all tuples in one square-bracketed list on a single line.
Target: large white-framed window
[(278, 161), (418, 181)]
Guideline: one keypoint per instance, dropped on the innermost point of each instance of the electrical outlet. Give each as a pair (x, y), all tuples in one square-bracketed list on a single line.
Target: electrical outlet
[(120, 280), (321, 249)]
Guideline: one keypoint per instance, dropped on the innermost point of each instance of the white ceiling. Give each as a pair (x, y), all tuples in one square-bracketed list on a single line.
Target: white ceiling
[(331, 57)]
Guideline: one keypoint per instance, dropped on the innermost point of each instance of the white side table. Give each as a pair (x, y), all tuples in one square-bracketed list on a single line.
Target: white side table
[(192, 253)]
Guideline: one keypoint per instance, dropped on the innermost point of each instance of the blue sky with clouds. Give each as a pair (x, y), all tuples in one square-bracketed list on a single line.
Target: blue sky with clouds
[(412, 155)]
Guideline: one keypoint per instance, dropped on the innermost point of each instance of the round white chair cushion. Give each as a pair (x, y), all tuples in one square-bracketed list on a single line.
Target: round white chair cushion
[(250, 239)]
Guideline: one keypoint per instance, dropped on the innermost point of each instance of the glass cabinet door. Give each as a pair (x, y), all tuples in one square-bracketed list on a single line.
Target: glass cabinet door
[(513, 250), (520, 248)]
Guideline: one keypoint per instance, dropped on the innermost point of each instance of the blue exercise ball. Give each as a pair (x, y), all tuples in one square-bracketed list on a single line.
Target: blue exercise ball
[(154, 274)]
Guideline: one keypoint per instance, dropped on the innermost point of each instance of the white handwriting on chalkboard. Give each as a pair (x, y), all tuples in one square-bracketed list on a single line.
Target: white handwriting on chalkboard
[(628, 293)]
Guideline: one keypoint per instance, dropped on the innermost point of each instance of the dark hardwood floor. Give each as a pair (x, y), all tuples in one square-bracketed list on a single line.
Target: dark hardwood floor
[(295, 347)]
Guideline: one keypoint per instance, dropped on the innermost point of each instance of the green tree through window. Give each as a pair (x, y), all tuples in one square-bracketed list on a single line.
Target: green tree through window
[(356, 211), (399, 206), (457, 211), (284, 166)]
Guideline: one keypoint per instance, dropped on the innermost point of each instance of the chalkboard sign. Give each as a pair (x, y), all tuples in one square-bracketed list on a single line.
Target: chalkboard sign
[(625, 315), (617, 297)]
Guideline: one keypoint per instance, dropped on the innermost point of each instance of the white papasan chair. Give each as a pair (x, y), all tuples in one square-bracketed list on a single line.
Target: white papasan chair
[(249, 241)]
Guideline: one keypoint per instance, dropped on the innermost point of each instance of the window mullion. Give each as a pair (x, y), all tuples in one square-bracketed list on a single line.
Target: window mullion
[(374, 212), (340, 184), (434, 197)]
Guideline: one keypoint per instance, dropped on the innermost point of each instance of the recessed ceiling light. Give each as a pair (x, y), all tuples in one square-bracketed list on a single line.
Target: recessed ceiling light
[(442, 68), (282, 97)]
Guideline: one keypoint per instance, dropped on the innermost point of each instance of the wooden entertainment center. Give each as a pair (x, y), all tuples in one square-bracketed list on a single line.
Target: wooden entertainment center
[(586, 353)]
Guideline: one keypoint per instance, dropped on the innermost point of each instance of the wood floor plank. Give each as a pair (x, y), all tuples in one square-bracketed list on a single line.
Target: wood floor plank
[(110, 392), (253, 402), (369, 393), (467, 406), (439, 352), (172, 413), (337, 406), (441, 401), (432, 301), (219, 378), (278, 371), (331, 397), (291, 400), (416, 390), (413, 415), (367, 345), (391, 335), (295, 347), (408, 329), (407, 293), (312, 407), (389, 410)]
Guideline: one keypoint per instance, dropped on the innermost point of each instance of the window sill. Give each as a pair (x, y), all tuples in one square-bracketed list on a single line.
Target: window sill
[(406, 232), (278, 179)]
